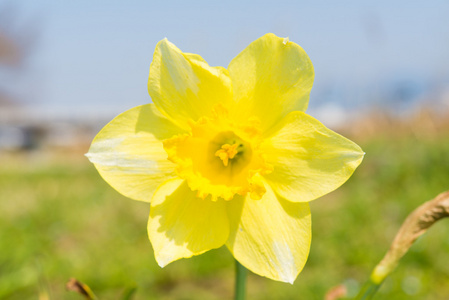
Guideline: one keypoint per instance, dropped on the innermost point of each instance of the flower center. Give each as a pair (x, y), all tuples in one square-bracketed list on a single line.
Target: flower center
[(219, 159), (227, 152), (231, 149)]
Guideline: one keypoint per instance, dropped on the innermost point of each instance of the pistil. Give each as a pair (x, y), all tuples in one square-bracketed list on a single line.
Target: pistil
[(227, 152)]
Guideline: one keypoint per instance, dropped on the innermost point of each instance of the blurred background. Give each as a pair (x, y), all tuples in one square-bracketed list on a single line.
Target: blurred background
[(68, 67)]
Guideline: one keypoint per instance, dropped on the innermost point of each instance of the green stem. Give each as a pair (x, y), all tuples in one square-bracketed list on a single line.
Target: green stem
[(240, 281), (368, 290)]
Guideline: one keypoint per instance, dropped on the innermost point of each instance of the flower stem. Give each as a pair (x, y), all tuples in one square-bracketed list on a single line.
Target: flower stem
[(368, 290), (416, 224), (240, 281)]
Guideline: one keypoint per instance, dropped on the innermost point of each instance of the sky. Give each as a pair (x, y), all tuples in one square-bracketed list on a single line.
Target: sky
[(96, 54)]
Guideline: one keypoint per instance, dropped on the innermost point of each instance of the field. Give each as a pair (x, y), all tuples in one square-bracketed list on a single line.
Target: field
[(59, 220)]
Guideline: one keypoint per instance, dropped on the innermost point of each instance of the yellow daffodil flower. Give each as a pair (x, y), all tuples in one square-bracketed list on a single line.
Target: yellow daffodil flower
[(227, 156)]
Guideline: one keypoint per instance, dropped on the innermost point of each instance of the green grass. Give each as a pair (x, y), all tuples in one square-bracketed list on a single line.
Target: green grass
[(59, 219)]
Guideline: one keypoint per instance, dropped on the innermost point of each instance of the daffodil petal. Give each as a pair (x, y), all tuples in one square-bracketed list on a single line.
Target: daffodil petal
[(271, 78), (271, 236), (129, 155), (183, 86), (182, 225), (308, 159)]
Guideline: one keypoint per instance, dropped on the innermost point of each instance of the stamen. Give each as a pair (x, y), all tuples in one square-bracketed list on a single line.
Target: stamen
[(227, 152)]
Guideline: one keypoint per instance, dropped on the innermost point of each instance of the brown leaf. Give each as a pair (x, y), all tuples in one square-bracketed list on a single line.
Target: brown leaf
[(80, 288), (336, 292)]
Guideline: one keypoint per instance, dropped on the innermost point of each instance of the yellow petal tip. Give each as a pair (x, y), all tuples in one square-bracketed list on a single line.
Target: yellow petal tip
[(161, 264)]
